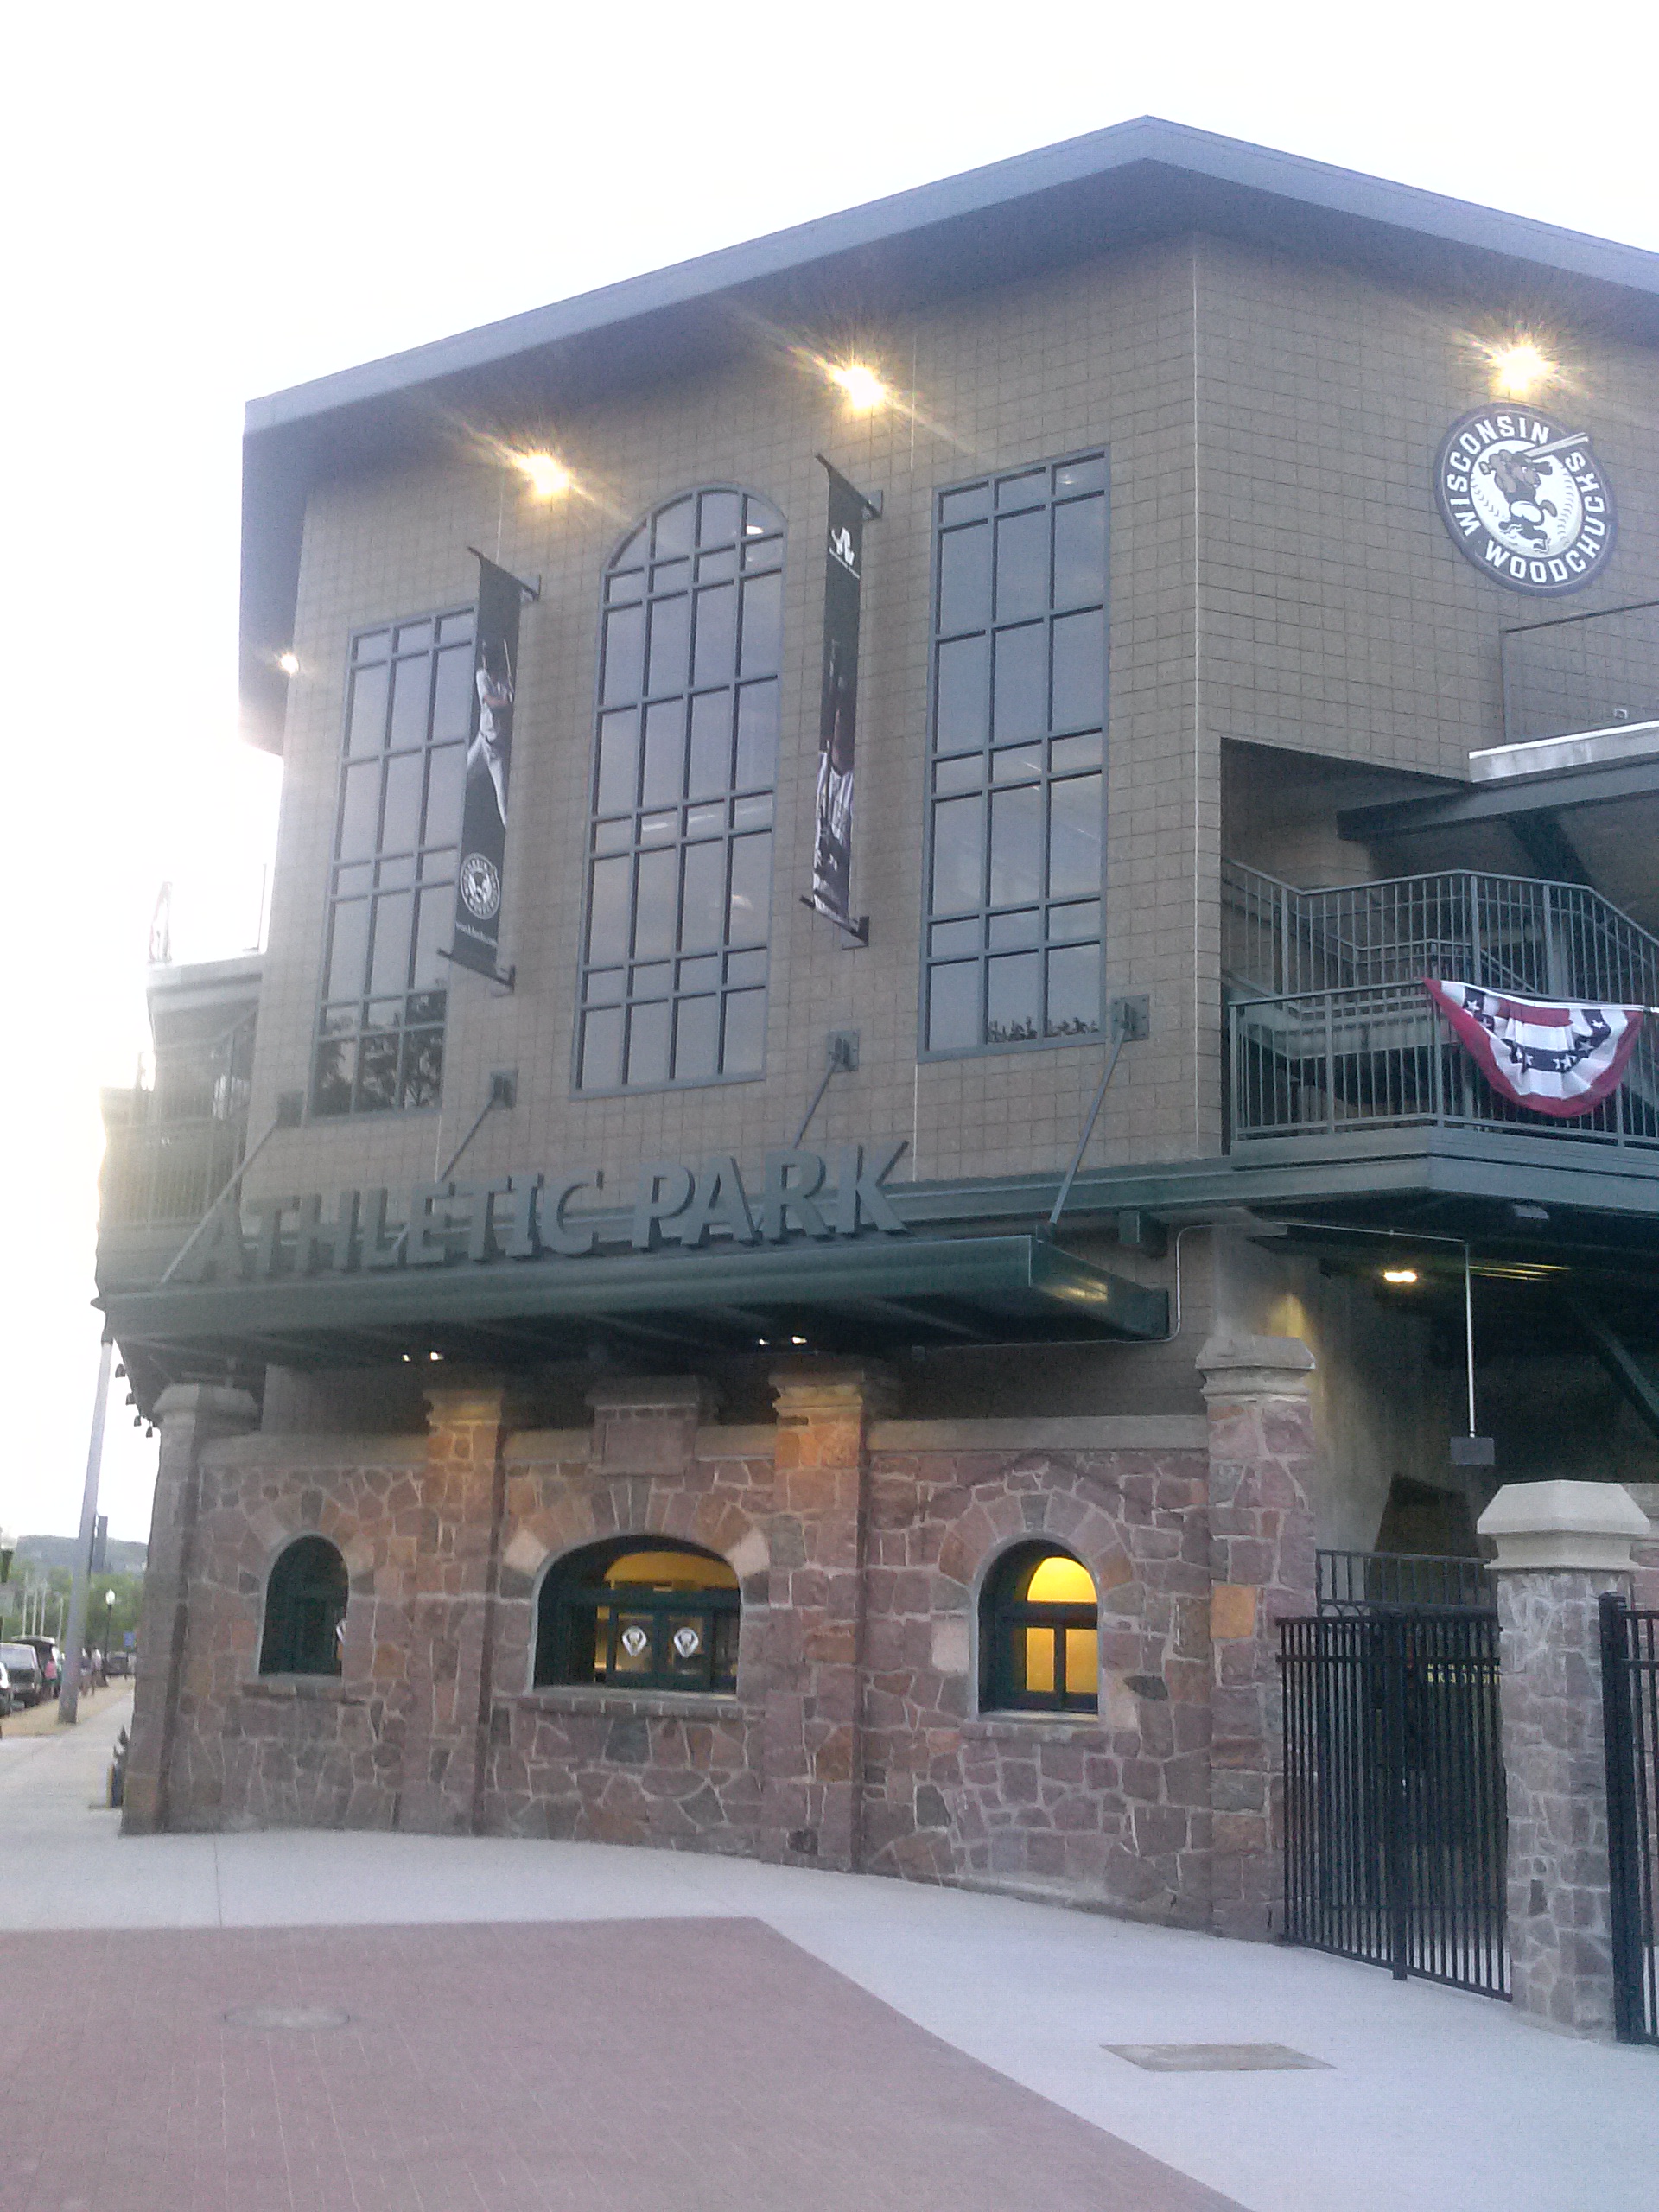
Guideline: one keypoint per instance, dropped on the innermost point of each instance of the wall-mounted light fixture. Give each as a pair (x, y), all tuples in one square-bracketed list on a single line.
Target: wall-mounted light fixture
[(863, 389), (545, 474), (1520, 370), (289, 663)]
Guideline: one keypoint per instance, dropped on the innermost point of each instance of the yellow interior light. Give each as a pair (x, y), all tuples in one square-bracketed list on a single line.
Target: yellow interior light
[(864, 389), (1060, 1581), (1520, 370), (545, 474), (1399, 1275)]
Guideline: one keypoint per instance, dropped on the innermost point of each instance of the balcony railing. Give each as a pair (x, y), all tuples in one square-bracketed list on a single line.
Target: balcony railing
[(168, 1173), (172, 1147), (1328, 1025)]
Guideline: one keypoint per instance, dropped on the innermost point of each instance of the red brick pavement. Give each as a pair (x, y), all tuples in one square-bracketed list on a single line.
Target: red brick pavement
[(629, 2066)]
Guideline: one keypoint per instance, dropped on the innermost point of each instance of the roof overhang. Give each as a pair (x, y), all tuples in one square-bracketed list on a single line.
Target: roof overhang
[(878, 1294), (1137, 181)]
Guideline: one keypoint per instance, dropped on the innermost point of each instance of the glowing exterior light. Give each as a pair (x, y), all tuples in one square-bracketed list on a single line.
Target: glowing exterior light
[(864, 389), (1520, 370), (289, 663), (545, 474), (1399, 1275)]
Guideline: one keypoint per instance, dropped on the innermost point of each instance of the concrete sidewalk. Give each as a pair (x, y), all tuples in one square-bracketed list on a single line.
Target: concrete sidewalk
[(1431, 2100)]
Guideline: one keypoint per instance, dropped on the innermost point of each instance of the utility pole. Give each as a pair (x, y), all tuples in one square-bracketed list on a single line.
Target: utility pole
[(69, 1697)]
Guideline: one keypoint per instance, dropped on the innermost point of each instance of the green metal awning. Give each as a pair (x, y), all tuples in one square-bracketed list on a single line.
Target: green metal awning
[(875, 1294)]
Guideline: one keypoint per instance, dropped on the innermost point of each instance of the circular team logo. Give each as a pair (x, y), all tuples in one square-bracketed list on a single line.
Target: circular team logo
[(1525, 499), (481, 885)]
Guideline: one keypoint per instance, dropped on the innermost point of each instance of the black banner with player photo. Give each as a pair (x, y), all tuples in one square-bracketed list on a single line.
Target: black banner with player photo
[(832, 856), (489, 761)]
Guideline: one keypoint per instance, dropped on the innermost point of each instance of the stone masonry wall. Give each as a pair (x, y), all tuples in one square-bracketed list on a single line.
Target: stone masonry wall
[(1116, 1809), (854, 1737)]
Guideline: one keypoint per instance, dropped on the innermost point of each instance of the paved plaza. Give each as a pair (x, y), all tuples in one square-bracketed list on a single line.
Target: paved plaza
[(324, 2023)]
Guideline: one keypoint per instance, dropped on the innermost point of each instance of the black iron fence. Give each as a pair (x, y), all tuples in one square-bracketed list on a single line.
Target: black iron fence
[(1363, 1582), (1395, 1836), (1629, 1688)]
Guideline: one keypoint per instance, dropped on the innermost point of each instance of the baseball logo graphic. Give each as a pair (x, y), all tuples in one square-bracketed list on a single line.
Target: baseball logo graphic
[(481, 885), (1525, 499)]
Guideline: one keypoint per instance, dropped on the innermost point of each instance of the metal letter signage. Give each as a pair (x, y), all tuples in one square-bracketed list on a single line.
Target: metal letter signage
[(489, 760), (530, 1216), (1525, 500), (832, 853)]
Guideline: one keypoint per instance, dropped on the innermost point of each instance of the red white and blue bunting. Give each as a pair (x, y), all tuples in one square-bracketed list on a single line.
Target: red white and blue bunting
[(1553, 1056)]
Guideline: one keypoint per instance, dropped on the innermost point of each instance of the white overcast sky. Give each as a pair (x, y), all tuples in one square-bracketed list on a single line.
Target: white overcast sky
[(205, 203)]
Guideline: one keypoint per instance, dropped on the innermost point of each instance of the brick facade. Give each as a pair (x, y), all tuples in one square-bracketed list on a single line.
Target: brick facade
[(854, 1738)]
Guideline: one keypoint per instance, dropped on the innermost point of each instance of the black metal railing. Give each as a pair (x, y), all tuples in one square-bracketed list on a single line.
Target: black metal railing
[(1629, 1690), (1366, 1582), (1328, 1060), (168, 1173), (1394, 1802), (1328, 1024), (1580, 672), (173, 1144), (1505, 932)]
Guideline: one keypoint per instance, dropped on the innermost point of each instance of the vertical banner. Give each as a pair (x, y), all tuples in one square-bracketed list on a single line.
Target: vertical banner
[(832, 856), (489, 760)]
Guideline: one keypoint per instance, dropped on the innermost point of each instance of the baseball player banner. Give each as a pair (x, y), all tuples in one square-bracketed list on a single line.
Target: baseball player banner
[(832, 853), (1554, 1057), (489, 764)]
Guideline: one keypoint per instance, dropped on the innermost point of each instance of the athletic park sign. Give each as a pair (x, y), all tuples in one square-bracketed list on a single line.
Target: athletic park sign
[(541, 1216)]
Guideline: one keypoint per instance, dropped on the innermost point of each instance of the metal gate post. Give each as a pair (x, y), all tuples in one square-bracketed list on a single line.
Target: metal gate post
[(1624, 1856), (1388, 1646)]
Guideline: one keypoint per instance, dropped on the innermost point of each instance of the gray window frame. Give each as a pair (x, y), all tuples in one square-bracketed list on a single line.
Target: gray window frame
[(1044, 944), (425, 880), (729, 982)]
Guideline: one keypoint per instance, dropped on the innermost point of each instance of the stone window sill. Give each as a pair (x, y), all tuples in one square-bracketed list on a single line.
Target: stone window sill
[(1022, 1727), (628, 1705), (327, 1687)]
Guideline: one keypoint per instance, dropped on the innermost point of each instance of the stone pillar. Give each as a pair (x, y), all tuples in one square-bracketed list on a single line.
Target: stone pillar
[(1261, 1457), (813, 1786), (447, 1696), (190, 1415), (1561, 1545)]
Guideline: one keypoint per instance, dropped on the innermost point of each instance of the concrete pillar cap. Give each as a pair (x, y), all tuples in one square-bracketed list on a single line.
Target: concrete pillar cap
[(1243, 1366), (208, 1402), (1544, 1527)]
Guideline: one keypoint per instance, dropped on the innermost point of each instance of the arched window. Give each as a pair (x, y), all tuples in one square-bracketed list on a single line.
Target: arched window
[(1039, 1633), (679, 877), (640, 1614), (305, 1610)]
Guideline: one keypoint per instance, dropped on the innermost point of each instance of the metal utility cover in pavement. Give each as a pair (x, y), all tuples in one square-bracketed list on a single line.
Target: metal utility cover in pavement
[(1216, 2058)]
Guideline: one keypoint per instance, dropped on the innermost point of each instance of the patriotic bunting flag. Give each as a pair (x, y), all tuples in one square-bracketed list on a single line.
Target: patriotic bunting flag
[(1554, 1057)]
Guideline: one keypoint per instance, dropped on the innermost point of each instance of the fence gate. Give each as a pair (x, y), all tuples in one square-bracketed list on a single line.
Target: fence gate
[(1629, 1690), (1395, 1791)]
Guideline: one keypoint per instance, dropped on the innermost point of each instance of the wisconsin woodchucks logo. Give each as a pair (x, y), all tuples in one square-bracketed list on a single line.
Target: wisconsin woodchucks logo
[(1525, 500)]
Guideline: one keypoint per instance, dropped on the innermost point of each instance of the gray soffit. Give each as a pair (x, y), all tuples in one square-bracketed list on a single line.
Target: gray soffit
[(1137, 181)]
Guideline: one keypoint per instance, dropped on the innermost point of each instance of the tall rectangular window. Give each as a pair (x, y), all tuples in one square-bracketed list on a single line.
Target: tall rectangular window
[(686, 759), (1016, 767), (392, 889)]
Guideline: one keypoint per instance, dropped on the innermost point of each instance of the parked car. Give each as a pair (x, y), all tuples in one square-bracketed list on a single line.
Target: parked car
[(51, 1659), (22, 1664)]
